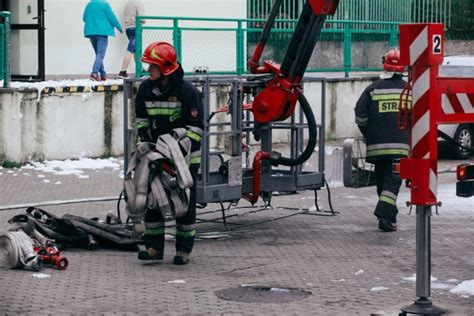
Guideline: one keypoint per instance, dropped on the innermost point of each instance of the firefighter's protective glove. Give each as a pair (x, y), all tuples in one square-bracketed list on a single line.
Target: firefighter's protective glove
[(143, 135)]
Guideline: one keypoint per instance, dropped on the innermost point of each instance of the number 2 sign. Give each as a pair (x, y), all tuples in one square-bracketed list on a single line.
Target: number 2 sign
[(437, 44)]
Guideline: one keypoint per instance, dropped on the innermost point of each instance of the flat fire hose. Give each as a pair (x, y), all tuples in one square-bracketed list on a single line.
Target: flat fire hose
[(148, 186), (16, 251)]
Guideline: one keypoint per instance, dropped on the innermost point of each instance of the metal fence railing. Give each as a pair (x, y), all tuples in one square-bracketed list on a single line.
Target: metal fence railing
[(407, 11), (223, 46), (4, 49)]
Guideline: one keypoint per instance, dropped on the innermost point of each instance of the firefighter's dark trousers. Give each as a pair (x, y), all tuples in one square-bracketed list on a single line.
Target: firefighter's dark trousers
[(154, 236), (388, 186)]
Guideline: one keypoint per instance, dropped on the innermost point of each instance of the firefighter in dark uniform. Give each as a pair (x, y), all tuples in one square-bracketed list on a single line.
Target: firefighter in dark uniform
[(164, 102), (376, 115)]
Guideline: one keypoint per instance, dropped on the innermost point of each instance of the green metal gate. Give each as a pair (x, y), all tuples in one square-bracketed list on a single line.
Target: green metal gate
[(5, 48)]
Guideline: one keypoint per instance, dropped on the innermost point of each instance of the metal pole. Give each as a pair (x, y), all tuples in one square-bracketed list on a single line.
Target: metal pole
[(41, 45), (423, 305), (127, 91), (423, 251)]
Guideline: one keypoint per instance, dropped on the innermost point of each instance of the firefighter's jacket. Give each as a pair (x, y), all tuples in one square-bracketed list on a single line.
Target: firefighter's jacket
[(159, 112), (376, 116)]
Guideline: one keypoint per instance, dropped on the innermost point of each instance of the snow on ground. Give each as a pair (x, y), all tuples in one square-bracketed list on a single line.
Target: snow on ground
[(40, 85), (76, 167), (464, 288)]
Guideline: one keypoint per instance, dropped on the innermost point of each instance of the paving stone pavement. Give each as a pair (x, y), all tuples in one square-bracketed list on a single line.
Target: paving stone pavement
[(349, 267)]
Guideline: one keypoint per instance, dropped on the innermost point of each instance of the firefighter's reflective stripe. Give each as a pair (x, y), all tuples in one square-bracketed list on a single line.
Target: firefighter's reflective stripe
[(160, 111), (163, 104), (386, 199), (193, 135), (394, 91), (195, 129), (361, 121), (389, 194), (154, 231), (387, 152), (152, 225), (389, 146), (195, 160), (185, 230), (190, 233), (142, 123), (388, 96), (388, 149)]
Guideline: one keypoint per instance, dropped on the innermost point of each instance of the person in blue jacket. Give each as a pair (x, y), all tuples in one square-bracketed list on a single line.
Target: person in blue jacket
[(99, 23)]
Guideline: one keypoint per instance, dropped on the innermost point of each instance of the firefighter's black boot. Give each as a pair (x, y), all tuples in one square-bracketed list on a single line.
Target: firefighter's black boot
[(150, 254), (154, 240), (181, 258), (387, 226), (184, 243)]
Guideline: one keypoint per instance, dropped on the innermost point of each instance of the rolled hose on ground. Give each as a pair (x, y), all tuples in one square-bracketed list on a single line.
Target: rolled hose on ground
[(312, 129), (16, 251)]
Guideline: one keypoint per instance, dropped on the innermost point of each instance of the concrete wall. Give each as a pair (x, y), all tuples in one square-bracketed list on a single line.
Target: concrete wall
[(71, 125), (62, 126)]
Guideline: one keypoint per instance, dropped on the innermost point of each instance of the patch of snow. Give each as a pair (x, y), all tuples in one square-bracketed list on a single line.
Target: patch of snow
[(378, 288), (41, 275), (441, 286), (46, 181), (39, 86), (452, 280), (41, 176), (359, 272), (413, 278), (464, 288), (177, 282), (68, 167), (280, 290), (57, 182)]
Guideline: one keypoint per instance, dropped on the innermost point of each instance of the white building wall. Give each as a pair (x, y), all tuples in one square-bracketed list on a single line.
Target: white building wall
[(68, 52)]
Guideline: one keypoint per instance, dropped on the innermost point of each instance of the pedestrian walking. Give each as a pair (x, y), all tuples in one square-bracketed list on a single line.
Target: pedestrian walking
[(99, 23), (133, 8), (165, 101), (376, 115)]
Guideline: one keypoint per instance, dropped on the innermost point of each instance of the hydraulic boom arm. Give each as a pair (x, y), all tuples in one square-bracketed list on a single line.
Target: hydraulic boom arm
[(278, 99)]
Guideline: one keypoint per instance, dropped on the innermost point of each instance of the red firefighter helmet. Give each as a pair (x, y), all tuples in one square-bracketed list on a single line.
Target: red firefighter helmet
[(391, 61), (163, 55)]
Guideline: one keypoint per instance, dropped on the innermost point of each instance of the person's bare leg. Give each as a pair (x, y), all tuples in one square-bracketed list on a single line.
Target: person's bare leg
[(126, 61)]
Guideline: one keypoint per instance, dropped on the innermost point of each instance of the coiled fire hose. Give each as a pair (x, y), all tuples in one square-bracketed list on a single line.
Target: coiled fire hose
[(16, 251)]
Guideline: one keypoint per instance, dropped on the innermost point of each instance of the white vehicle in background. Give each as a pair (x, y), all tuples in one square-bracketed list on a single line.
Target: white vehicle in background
[(458, 66)]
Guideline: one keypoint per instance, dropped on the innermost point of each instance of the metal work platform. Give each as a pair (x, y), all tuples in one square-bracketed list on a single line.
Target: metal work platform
[(228, 144)]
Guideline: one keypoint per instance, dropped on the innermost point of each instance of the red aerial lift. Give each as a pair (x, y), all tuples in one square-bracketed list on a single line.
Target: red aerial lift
[(277, 100), (436, 100)]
